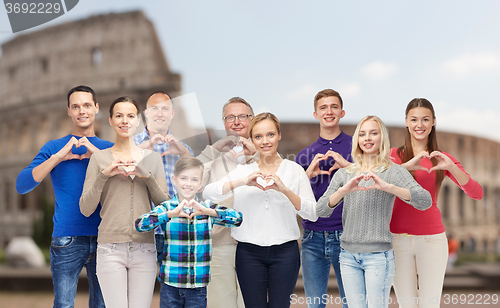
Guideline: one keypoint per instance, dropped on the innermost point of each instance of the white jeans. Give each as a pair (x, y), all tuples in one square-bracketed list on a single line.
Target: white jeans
[(223, 289), (425, 257), (126, 273)]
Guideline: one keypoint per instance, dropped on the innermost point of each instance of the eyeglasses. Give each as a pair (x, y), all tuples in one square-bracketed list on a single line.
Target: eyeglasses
[(241, 117)]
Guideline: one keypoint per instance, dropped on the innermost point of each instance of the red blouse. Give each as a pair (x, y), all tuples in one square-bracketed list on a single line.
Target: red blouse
[(407, 219)]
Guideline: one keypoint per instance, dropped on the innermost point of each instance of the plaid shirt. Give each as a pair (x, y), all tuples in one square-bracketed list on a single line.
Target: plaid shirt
[(168, 160), (188, 242)]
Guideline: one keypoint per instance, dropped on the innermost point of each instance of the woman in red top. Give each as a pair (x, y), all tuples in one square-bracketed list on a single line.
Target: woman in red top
[(420, 244)]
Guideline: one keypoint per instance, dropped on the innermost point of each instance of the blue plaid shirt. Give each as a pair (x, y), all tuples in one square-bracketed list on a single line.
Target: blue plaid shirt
[(188, 242), (168, 160)]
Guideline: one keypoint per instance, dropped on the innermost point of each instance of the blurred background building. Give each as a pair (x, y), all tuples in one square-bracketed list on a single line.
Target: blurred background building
[(119, 54)]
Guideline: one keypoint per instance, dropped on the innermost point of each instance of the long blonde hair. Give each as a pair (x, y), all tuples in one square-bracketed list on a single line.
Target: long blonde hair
[(383, 161)]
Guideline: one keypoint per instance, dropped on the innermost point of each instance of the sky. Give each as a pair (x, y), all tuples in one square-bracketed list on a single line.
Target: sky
[(378, 54)]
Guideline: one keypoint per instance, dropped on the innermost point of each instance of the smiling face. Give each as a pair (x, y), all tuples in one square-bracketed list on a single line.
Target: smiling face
[(419, 121), (329, 111), (369, 138), (82, 109), (159, 113), (124, 119), (265, 137), (238, 126), (188, 182)]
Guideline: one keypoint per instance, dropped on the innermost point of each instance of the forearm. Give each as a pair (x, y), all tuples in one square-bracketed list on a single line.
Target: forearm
[(460, 176), (158, 194), (336, 197), (146, 145), (151, 220), (231, 185), (227, 217), (294, 198), (42, 170), (402, 193), (91, 194)]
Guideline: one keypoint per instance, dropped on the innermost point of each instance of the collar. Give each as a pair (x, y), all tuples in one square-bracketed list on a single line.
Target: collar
[(337, 140)]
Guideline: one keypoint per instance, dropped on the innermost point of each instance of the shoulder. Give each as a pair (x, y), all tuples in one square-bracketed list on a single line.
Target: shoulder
[(101, 143), (304, 157), (345, 138), (53, 146), (151, 155), (59, 142), (290, 164), (396, 170), (393, 155), (102, 154)]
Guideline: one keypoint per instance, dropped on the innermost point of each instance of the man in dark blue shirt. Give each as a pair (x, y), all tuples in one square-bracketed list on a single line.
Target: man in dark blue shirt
[(74, 238)]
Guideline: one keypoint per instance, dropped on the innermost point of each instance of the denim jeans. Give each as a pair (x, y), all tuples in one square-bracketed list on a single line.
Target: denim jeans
[(68, 255), (367, 278), (319, 249), (267, 274), (172, 297)]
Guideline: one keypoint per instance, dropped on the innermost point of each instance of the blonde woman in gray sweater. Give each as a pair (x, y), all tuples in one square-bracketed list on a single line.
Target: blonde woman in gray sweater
[(368, 188), (124, 179)]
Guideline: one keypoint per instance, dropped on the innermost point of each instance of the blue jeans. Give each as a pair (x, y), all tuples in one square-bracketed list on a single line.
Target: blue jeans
[(267, 274), (319, 249), (367, 278), (172, 297), (68, 255)]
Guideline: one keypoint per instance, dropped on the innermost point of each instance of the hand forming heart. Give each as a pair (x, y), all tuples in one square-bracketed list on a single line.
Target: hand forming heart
[(191, 208), (337, 162), (238, 152), (443, 161), (414, 163), (71, 149), (175, 147), (353, 184)]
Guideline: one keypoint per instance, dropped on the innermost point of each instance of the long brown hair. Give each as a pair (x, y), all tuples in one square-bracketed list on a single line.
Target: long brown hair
[(405, 152)]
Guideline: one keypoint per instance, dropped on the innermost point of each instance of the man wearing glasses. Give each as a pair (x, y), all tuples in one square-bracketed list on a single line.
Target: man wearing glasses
[(219, 159), (157, 137)]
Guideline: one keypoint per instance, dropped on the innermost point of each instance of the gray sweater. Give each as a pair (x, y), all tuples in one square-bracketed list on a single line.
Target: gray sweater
[(367, 214)]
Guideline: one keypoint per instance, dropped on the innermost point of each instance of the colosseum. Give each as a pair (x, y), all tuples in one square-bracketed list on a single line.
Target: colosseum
[(119, 54)]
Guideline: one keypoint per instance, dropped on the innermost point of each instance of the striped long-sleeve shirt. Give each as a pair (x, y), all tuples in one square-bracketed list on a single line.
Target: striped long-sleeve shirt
[(188, 242)]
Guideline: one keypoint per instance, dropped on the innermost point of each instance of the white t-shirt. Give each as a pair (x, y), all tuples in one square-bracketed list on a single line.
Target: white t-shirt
[(269, 218)]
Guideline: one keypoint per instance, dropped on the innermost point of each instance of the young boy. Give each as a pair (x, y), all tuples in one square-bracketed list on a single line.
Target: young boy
[(185, 269)]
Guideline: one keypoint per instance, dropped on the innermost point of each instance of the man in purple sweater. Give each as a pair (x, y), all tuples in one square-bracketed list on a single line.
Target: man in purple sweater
[(320, 244), (74, 238)]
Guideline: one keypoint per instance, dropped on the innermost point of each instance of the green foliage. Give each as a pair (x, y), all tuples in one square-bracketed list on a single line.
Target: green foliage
[(43, 226)]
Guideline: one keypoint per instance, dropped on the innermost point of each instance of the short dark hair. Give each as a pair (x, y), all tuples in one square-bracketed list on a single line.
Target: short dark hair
[(122, 99), (326, 93), (82, 89), (159, 92)]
